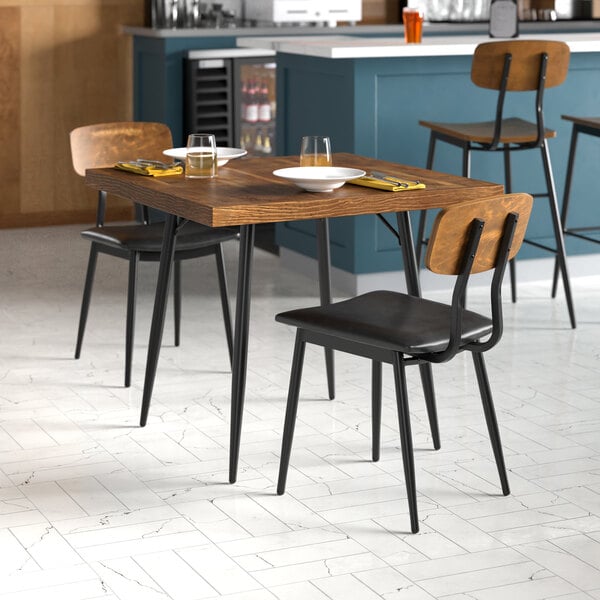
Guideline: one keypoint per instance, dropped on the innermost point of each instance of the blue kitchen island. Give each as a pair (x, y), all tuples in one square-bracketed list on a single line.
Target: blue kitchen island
[(368, 95)]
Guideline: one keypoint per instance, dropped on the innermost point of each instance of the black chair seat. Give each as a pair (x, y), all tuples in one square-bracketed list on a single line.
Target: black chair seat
[(149, 238), (390, 320)]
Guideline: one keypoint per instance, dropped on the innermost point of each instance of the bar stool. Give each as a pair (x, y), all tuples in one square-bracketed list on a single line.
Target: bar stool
[(511, 66), (589, 126)]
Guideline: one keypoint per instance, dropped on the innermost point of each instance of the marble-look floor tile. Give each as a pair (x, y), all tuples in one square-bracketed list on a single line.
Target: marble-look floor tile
[(94, 507)]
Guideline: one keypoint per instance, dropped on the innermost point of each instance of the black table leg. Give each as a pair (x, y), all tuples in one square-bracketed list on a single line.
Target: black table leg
[(158, 314), (413, 286), (240, 345), (325, 292)]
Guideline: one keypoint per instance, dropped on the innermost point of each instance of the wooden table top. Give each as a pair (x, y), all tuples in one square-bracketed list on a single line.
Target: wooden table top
[(245, 192)]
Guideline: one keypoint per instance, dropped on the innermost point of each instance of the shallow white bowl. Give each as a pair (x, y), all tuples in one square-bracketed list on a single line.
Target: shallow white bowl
[(224, 155), (319, 179)]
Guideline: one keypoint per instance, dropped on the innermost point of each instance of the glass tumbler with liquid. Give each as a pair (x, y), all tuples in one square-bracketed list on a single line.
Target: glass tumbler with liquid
[(413, 25), (201, 156), (315, 151)]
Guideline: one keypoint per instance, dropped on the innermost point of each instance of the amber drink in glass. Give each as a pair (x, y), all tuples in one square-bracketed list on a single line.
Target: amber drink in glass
[(413, 25), (315, 151)]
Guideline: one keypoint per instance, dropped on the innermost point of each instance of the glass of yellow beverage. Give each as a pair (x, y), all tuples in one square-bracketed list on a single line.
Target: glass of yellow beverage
[(315, 151), (201, 156)]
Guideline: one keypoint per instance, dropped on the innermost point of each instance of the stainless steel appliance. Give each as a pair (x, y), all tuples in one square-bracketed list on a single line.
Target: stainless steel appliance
[(329, 12)]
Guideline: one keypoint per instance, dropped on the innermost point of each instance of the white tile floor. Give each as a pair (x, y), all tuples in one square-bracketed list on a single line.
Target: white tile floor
[(92, 506)]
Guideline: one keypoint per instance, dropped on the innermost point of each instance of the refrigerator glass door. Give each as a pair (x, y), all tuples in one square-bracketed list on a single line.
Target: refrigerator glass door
[(255, 104)]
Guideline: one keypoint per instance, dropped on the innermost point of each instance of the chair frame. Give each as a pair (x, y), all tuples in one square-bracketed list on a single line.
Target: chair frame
[(496, 145), (399, 361), (134, 257)]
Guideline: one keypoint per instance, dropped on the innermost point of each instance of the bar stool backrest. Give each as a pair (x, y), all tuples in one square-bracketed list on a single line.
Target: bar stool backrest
[(489, 62)]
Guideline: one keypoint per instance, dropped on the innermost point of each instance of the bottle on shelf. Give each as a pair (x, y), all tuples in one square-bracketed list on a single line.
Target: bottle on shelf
[(267, 148), (244, 100), (264, 104), (252, 104)]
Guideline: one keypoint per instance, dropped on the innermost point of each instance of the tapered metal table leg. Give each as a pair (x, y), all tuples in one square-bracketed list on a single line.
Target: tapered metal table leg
[(158, 314), (325, 293), (413, 286), (240, 345)]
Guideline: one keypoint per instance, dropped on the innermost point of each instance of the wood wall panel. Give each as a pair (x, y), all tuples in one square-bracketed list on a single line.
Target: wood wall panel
[(9, 109), (63, 63), (37, 110)]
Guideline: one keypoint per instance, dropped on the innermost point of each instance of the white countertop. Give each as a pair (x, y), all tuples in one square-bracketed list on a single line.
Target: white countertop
[(390, 47)]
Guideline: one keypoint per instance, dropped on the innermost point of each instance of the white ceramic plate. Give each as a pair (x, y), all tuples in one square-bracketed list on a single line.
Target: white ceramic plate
[(319, 179), (223, 154)]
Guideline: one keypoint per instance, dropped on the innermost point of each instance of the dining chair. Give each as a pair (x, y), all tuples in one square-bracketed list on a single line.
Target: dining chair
[(507, 67), (403, 330), (102, 145)]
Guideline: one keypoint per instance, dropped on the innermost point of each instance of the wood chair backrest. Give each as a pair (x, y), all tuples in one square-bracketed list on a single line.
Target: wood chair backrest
[(452, 226), (488, 64), (104, 144)]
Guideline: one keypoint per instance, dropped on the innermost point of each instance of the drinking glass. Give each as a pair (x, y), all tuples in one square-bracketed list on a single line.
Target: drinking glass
[(201, 156), (315, 151), (413, 24)]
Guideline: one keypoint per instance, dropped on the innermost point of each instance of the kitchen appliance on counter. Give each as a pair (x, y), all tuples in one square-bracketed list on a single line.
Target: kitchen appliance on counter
[(328, 12), (181, 14)]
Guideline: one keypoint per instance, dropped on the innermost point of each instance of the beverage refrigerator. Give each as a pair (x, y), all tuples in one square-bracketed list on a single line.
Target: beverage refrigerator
[(231, 93)]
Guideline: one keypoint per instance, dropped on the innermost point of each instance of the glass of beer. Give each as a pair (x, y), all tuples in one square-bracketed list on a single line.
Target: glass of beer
[(315, 151), (201, 156), (413, 24)]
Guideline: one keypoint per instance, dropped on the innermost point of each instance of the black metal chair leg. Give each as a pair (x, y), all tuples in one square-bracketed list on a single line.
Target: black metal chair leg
[(490, 418), (240, 346), (466, 161), (376, 409), (158, 314), (224, 300), (406, 440), (291, 411), (512, 267), (325, 294), (130, 324), (420, 236), (566, 200), (423, 213), (429, 392), (177, 300), (87, 295), (561, 255)]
